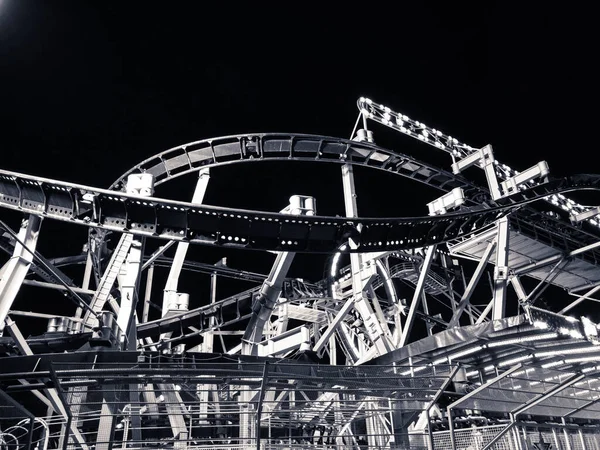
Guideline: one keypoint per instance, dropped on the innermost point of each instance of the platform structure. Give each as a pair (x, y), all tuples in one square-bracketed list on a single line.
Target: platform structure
[(423, 332)]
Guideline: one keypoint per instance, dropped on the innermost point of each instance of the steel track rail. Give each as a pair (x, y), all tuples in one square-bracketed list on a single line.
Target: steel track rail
[(193, 156), (229, 310), (237, 228)]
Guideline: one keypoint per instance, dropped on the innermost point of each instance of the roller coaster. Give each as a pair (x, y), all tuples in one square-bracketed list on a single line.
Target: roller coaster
[(423, 333)]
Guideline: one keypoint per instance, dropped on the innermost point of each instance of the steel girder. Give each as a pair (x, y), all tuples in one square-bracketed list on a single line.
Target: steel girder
[(236, 228)]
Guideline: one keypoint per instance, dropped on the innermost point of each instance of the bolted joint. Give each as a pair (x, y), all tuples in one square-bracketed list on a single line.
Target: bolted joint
[(501, 273)]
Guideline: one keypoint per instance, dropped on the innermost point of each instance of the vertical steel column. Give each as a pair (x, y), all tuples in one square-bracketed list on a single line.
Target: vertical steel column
[(148, 293), (583, 446), (70, 431), (515, 434), (135, 420), (87, 274), (556, 438), (128, 286), (261, 396), (451, 428), (15, 270), (209, 337), (106, 425), (501, 269), (524, 433), (30, 434), (182, 247), (332, 350), (380, 339), (566, 435)]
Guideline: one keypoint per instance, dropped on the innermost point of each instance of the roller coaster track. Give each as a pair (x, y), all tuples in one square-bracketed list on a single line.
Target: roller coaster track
[(173, 220), (193, 156)]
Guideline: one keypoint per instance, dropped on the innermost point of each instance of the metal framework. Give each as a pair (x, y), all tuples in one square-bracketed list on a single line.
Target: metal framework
[(401, 345)]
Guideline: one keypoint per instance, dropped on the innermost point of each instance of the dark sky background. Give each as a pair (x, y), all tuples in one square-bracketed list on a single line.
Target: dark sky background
[(88, 89)]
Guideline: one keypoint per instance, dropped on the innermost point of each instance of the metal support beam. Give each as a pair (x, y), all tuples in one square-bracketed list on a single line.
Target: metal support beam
[(566, 435), (128, 284), (484, 386), (15, 333), (582, 407), (377, 331), (490, 445), (339, 317), (501, 269), (466, 297), (259, 402), (176, 411), (426, 414), (15, 270), (270, 290), (182, 247), (525, 269), (87, 272), (483, 157), (24, 348), (410, 317), (590, 213), (60, 404), (511, 185), (584, 249), (265, 302), (148, 293), (580, 299), (474, 392), (282, 343), (546, 395), (545, 282), (154, 256), (108, 279), (106, 424), (58, 287), (208, 342), (518, 287), (485, 312)]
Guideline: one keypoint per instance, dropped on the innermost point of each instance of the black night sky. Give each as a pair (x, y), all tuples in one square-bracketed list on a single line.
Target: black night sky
[(88, 89)]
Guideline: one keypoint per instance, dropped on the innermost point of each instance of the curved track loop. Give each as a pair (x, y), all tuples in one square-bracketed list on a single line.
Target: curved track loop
[(209, 225), (193, 156)]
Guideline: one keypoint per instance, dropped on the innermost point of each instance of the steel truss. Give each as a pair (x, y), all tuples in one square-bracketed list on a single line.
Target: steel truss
[(292, 363)]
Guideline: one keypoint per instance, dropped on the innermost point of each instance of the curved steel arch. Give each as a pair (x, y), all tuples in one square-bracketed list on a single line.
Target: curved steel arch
[(191, 157)]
